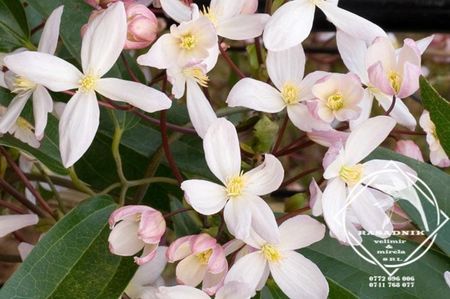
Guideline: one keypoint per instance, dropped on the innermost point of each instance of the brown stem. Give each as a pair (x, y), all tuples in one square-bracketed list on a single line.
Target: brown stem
[(179, 211), (37, 28), (129, 70), (280, 134), (292, 214), (299, 176), (294, 148), (259, 55), (394, 100), (230, 62), (12, 207), (166, 147), (402, 132)]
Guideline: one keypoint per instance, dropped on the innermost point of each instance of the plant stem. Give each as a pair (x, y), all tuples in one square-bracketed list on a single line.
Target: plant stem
[(230, 62), (79, 184), (166, 148), (128, 68), (12, 207), (145, 181), (182, 210), (394, 100), (299, 176), (52, 187), (280, 134)]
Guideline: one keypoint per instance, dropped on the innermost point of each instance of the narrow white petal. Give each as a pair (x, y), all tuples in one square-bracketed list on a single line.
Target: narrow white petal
[(11, 223), (42, 68), (265, 178), (248, 269), (289, 25), (50, 33), (287, 66), (150, 272), (200, 111), (157, 56), (423, 43), (367, 137), (400, 112), (78, 126), (298, 277), (255, 95), (2, 80), (366, 109), (104, 40), (8, 120), (263, 219), (353, 52), (42, 105), (242, 27), (238, 217), (205, 197), (177, 10), (300, 231), (133, 93), (25, 135), (222, 151)]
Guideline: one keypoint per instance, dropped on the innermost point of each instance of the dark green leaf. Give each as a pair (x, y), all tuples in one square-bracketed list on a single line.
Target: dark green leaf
[(14, 30), (183, 223)]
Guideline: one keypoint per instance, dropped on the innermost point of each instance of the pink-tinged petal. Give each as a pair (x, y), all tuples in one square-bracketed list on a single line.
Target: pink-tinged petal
[(302, 117), (366, 109), (300, 231), (217, 262), (353, 53), (127, 213), (265, 178), (78, 126), (42, 105), (289, 25), (190, 271), (350, 23), (151, 227), (202, 242), (410, 80), (50, 33), (24, 250), (381, 51), (104, 40), (400, 112), (308, 82), (409, 149), (158, 55), (333, 161), (180, 291), (25, 135), (408, 53), (200, 111), (238, 218), (242, 27), (249, 7), (123, 239), (177, 10), (11, 223), (263, 219), (205, 197), (378, 128), (287, 66), (213, 281), (148, 254), (249, 269), (9, 118), (255, 95), (150, 272), (315, 200), (222, 150), (298, 277), (235, 289), (378, 78), (423, 43), (232, 246), (371, 216), (180, 248), (329, 137), (439, 158), (53, 72)]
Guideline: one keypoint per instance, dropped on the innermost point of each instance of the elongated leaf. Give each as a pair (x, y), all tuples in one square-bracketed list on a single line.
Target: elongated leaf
[(73, 260), (14, 30), (439, 109)]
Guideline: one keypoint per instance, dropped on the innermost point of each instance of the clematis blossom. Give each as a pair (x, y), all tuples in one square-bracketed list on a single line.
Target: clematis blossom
[(239, 193), (292, 92), (438, 156), (11, 223), (296, 276), (346, 203), (22, 130), (291, 24), (134, 228), (202, 260), (101, 46), (27, 88)]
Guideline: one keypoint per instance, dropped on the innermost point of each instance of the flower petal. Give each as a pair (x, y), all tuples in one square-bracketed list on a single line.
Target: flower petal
[(235, 289), (78, 126), (248, 269), (302, 117), (200, 111), (134, 93), (222, 151), (50, 33), (289, 25), (242, 27), (123, 239), (263, 219), (286, 66), (42, 105), (157, 56), (42, 68), (378, 128), (11, 223), (150, 272), (104, 40), (353, 52), (315, 201), (177, 10), (300, 231), (400, 112), (180, 248), (24, 250), (205, 197), (423, 43), (226, 9), (238, 217), (8, 120), (255, 95), (190, 271), (410, 82), (265, 178), (298, 277), (180, 291)]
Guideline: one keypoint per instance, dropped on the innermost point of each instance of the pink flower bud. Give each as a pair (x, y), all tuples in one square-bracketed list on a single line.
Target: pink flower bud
[(135, 228), (142, 26), (409, 148), (249, 7)]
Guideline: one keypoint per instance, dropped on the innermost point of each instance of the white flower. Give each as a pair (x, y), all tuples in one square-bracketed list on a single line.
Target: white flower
[(296, 276), (26, 88), (11, 223), (240, 192), (438, 156), (101, 46), (286, 69), (21, 129), (292, 23)]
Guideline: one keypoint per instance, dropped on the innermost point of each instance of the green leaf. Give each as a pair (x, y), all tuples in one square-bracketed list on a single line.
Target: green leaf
[(14, 31), (439, 109), (183, 223), (265, 130), (72, 260)]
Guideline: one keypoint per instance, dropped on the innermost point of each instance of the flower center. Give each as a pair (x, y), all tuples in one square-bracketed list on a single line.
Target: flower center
[(395, 80), (88, 83), (197, 74), (188, 41), (335, 101), (203, 257), (271, 253), (23, 123), (22, 84), (235, 185), (290, 94), (207, 12), (351, 174)]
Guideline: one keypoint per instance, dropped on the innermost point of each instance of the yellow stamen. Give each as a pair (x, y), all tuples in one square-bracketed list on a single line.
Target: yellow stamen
[(395, 79), (290, 94), (207, 12), (198, 75), (235, 186), (335, 101), (203, 257), (23, 123), (188, 41), (271, 253), (351, 174), (88, 83), (22, 84)]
